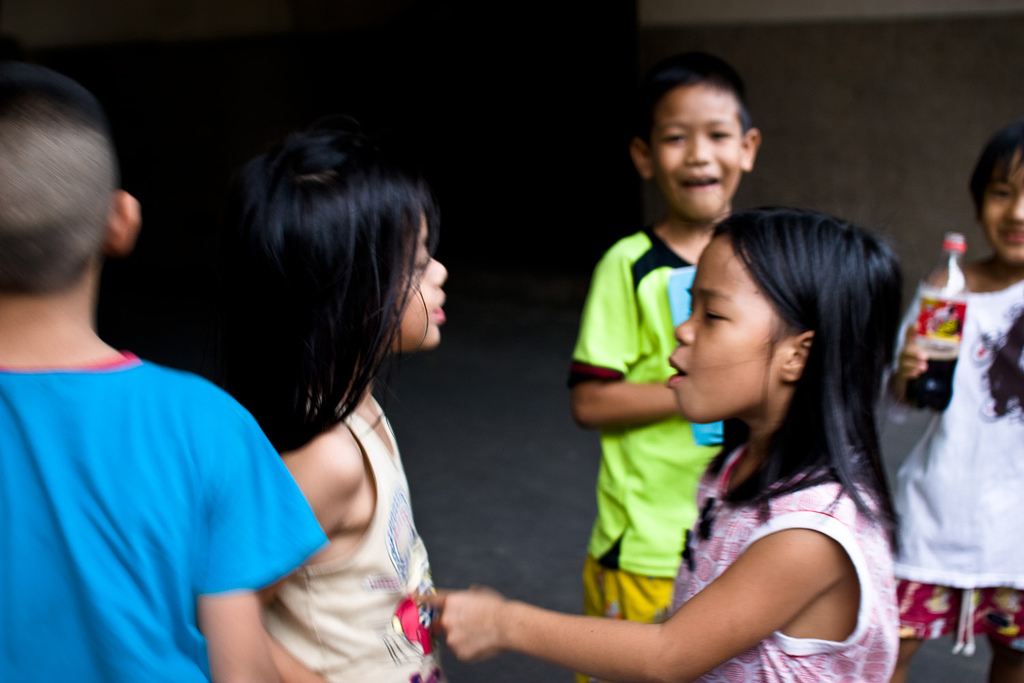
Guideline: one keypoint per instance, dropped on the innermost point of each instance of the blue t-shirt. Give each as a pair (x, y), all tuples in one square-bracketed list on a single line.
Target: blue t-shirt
[(126, 492)]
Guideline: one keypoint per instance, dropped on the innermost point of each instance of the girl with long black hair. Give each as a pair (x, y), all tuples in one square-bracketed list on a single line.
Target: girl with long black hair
[(788, 572), (327, 274)]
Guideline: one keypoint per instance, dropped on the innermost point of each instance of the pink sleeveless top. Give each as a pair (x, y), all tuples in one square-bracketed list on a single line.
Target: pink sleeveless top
[(869, 654)]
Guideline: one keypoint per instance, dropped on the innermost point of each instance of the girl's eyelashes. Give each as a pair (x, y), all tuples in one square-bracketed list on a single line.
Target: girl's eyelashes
[(700, 308)]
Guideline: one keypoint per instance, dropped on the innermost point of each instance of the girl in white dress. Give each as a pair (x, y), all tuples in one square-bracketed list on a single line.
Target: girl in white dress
[(961, 543)]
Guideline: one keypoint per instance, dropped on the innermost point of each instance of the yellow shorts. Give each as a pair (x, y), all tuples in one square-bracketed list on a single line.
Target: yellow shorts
[(619, 594)]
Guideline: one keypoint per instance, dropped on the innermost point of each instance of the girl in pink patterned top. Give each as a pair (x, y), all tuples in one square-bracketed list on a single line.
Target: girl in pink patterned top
[(788, 572)]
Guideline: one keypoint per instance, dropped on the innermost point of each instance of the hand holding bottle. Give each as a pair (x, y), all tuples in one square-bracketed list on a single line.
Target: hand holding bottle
[(935, 339), (911, 363)]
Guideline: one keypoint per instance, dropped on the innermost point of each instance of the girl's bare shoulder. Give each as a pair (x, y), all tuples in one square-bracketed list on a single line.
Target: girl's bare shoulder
[(334, 457), (333, 475)]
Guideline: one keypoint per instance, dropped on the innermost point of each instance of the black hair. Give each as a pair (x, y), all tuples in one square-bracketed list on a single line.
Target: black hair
[(687, 68), (318, 254), (996, 159), (58, 171), (834, 278)]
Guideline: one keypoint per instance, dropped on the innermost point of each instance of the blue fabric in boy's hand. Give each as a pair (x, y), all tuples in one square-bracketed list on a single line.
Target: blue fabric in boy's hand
[(679, 282)]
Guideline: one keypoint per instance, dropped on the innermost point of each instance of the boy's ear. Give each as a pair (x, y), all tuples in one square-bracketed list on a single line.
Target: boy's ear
[(640, 151), (795, 352), (123, 223), (751, 143)]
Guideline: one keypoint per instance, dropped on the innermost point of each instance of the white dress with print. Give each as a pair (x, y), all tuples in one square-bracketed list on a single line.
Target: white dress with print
[(958, 493)]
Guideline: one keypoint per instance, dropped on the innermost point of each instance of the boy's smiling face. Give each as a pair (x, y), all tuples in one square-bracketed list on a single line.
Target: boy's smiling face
[(697, 152)]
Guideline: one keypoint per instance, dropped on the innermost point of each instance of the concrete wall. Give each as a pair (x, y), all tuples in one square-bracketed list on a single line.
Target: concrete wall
[(878, 121), (691, 12)]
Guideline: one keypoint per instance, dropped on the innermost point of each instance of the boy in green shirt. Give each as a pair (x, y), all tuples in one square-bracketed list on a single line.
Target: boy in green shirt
[(694, 140)]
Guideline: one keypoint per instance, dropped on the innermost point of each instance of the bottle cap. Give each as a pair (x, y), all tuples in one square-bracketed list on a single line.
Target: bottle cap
[(954, 241)]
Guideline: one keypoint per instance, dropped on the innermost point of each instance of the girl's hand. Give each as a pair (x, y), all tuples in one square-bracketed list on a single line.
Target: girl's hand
[(472, 621), (911, 363)]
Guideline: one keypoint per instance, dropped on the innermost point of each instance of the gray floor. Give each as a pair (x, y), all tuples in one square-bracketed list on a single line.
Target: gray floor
[(502, 479)]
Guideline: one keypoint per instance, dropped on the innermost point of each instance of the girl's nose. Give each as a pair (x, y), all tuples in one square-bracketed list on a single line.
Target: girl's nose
[(440, 271), (684, 333), (1016, 209)]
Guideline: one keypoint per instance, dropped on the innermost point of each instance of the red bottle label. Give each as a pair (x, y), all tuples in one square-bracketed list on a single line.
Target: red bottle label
[(941, 319)]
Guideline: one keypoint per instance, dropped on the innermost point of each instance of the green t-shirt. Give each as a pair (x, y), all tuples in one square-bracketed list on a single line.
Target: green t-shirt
[(647, 483)]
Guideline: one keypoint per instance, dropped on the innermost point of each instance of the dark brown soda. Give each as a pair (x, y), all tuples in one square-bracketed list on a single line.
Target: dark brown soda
[(934, 387)]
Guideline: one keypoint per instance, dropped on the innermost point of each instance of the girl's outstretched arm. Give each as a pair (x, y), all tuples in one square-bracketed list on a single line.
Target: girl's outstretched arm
[(797, 581)]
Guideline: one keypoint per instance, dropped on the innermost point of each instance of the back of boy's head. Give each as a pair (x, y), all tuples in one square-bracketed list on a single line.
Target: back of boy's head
[(844, 284), (318, 252), (57, 175), (997, 160), (687, 68)]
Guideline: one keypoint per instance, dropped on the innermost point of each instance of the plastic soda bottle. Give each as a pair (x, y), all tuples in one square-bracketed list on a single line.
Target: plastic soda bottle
[(940, 324)]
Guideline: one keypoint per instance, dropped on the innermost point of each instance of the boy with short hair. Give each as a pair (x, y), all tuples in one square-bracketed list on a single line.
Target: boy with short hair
[(140, 507), (693, 138)]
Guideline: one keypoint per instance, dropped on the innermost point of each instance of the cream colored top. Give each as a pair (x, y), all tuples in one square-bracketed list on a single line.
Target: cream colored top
[(352, 620)]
